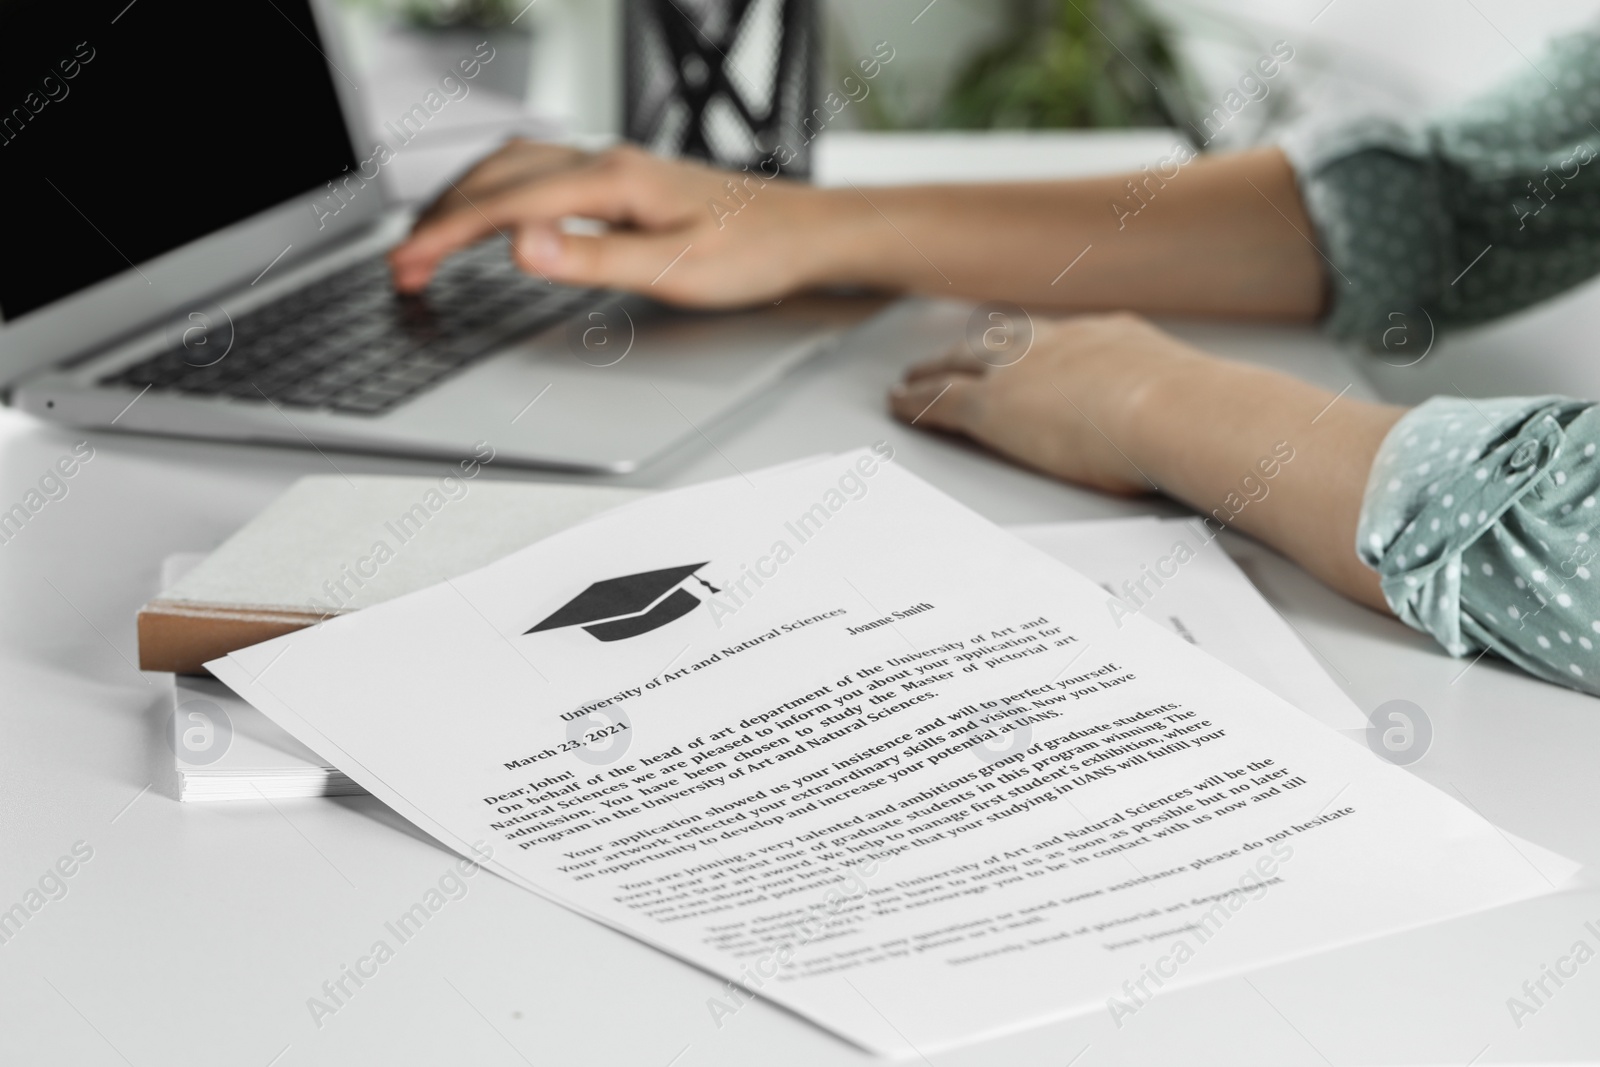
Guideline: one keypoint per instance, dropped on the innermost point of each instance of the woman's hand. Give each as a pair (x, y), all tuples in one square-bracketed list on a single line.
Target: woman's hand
[(1066, 407), (678, 231), (688, 234), (1111, 402)]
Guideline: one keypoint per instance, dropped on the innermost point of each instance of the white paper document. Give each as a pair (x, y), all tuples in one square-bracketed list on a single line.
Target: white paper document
[(1172, 569), (838, 739), (1175, 573)]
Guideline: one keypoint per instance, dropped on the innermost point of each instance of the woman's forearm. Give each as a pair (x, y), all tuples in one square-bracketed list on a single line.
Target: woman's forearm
[(1281, 460), (1224, 236), (1112, 402)]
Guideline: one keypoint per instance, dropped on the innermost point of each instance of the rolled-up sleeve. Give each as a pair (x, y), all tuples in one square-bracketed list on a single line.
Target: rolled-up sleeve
[(1480, 212), (1481, 519)]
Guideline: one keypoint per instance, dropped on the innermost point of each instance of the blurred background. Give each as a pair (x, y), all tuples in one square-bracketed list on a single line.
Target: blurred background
[(582, 69)]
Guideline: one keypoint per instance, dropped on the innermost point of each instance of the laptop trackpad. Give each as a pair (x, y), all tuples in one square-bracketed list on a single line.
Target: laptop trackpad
[(613, 387)]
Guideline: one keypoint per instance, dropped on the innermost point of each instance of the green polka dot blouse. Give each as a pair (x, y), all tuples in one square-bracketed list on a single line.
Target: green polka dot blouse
[(1480, 516), (1481, 520)]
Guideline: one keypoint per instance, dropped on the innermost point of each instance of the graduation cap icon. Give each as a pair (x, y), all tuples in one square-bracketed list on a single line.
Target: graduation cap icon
[(634, 604)]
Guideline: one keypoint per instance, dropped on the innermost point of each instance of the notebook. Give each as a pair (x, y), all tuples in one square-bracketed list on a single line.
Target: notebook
[(332, 544)]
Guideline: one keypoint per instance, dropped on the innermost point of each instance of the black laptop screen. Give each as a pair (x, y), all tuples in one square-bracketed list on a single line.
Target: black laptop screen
[(130, 129)]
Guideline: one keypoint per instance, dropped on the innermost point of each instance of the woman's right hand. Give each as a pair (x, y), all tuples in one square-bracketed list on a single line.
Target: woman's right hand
[(680, 232)]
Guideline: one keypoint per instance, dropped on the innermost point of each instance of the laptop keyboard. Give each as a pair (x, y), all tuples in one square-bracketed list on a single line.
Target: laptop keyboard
[(348, 343)]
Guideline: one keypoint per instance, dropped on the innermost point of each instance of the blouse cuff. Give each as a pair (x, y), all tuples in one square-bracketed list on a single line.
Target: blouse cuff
[(1477, 517)]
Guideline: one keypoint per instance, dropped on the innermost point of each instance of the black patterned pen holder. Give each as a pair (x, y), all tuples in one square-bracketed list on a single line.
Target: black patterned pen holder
[(727, 81)]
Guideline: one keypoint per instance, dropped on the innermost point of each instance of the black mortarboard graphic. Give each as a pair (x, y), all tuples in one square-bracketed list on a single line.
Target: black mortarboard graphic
[(629, 606)]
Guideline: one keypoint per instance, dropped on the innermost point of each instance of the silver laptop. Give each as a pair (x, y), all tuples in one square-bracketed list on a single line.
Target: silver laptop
[(193, 245)]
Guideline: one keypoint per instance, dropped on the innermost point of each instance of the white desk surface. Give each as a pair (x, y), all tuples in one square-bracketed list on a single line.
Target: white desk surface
[(197, 932)]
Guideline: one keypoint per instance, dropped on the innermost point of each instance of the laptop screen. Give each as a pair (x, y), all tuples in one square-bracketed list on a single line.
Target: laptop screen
[(130, 129)]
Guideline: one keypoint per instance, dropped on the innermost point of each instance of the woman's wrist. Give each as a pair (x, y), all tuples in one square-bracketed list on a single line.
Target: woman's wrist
[(840, 239), (1148, 402), (1273, 456)]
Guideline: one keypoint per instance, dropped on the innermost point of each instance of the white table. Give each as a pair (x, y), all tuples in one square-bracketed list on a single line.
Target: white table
[(196, 933)]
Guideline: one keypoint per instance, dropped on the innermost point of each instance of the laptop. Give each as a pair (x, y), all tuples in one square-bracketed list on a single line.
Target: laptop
[(192, 244)]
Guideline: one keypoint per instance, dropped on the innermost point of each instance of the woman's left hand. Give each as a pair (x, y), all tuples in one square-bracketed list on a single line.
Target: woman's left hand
[(1066, 407)]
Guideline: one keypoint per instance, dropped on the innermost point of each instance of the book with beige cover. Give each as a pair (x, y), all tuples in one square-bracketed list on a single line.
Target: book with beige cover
[(332, 544)]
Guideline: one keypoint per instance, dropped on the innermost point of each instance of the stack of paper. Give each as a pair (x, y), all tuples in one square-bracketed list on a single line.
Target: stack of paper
[(226, 750), (831, 735), (223, 749)]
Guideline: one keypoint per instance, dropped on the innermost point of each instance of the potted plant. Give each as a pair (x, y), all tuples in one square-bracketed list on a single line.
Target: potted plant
[(1073, 63)]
